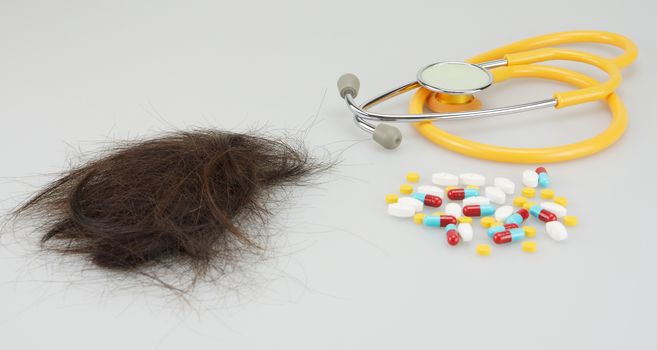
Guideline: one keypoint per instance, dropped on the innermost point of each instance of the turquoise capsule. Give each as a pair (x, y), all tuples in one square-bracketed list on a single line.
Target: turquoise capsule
[(518, 217), (438, 220), (512, 235), (535, 210), (495, 229)]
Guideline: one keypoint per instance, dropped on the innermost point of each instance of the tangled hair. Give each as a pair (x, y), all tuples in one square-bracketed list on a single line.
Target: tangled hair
[(183, 198)]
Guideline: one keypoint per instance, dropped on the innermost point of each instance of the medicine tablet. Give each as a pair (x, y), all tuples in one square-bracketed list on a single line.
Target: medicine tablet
[(529, 192), (505, 185), (487, 221), (419, 218), (495, 195), (454, 210), (529, 247), (476, 200), (472, 179), (411, 202), (530, 178), (483, 249), (465, 231), (433, 190), (570, 220), (503, 212), (529, 231), (547, 193), (391, 198), (412, 177), (558, 210), (400, 210), (556, 230), (445, 179), (563, 201), (405, 189), (465, 219), (519, 201)]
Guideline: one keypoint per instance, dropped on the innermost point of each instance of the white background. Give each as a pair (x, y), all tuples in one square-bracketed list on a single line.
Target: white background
[(74, 74)]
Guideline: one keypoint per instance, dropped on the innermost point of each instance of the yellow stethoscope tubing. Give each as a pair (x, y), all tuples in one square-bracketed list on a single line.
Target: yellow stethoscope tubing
[(590, 89)]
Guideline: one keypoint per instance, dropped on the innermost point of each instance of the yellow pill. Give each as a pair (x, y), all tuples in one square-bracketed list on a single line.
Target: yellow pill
[(529, 192), (519, 201), (483, 249), (391, 198), (438, 213), (530, 231), (487, 221), (412, 177), (528, 205), (563, 201), (547, 193), (497, 223), (529, 246), (449, 188), (465, 220), (570, 220), (406, 189), (472, 186), (419, 218)]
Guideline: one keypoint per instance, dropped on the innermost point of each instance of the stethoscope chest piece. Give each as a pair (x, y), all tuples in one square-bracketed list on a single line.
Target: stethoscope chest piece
[(455, 78)]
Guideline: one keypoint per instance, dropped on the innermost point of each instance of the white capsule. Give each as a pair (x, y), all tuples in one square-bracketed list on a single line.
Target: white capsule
[(465, 231), (495, 195), (556, 230), (503, 212), (400, 210), (454, 210), (529, 178), (505, 185), (476, 200), (558, 209), (411, 202), (472, 179), (433, 190), (445, 179)]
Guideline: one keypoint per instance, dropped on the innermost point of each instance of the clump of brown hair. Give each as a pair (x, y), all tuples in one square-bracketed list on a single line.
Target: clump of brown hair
[(183, 198)]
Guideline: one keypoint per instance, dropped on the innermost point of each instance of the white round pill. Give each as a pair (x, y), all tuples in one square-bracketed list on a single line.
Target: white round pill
[(476, 200), (556, 230), (558, 209), (433, 190), (411, 202), (529, 178), (445, 179), (465, 231), (495, 195), (454, 210), (400, 211), (472, 179), (503, 212), (505, 185)]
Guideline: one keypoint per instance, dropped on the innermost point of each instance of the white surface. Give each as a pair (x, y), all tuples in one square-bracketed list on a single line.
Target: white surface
[(346, 275)]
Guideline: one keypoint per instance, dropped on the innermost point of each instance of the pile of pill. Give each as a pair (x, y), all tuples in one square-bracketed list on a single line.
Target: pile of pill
[(503, 223)]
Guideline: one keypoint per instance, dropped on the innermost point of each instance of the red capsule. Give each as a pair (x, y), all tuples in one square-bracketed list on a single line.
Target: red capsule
[(456, 194), (453, 237), (432, 201), (478, 210), (447, 219), (512, 235), (547, 216)]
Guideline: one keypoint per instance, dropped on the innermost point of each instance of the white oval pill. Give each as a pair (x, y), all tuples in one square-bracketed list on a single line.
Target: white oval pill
[(454, 210), (503, 212), (558, 209), (400, 211), (476, 200), (495, 195), (445, 179), (529, 178), (433, 190), (505, 185), (472, 179), (465, 231), (556, 230), (411, 202)]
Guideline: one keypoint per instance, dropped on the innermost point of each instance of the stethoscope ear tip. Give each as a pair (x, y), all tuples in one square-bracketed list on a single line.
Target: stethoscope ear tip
[(387, 136), (348, 84)]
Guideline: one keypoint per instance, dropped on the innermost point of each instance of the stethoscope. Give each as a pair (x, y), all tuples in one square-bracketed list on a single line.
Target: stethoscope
[(449, 88)]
